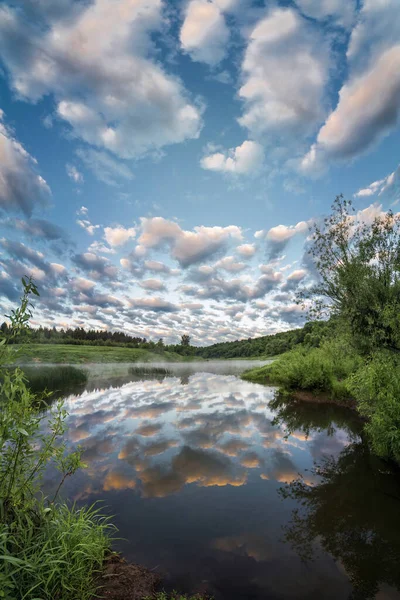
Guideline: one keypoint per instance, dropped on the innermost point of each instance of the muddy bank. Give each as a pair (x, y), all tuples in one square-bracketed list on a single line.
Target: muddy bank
[(123, 581), (321, 398)]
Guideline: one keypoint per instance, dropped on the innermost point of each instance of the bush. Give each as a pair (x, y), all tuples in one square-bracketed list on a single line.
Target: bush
[(323, 369), (47, 550), (376, 387)]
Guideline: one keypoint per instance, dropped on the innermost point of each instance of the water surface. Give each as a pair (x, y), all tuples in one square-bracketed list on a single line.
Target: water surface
[(225, 488)]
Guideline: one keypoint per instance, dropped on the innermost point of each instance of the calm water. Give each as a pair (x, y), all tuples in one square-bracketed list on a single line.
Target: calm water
[(223, 487)]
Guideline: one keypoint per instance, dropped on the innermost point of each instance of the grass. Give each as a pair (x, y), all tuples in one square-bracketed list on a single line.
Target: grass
[(70, 354), (55, 379), (146, 372), (55, 558), (325, 369)]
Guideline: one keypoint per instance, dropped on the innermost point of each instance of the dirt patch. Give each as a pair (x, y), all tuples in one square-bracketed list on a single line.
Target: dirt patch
[(123, 581), (321, 398)]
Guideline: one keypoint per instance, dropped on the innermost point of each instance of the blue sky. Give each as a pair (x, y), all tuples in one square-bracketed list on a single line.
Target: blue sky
[(161, 162)]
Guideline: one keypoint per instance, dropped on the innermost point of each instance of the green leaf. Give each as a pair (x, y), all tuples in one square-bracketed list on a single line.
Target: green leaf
[(22, 431)]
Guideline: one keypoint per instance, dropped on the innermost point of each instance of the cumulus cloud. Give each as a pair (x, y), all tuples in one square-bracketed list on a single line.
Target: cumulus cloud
[(342, 11), (293, 280), (97, 62), (369, 101), (388, 185), (244, 159), (21, 187), (228, 263), (39, 228), (278, 237), (87, 226), (73, 173), (118, 236), (368, 108), (96, 266), (152, 285), (284, 73), (187, 247), (242, 290), (246, 250), (153, 304), (204, 34)]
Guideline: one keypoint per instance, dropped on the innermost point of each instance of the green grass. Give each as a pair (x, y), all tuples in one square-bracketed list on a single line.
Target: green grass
[(325, 369), (146, 372), (55, 379), (70, 354), (56, 555)]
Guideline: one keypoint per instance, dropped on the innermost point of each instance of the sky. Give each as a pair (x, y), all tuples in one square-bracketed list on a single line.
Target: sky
[(161, 163)]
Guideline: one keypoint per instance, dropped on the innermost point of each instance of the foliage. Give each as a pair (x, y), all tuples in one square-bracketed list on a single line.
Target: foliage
[(376, 386), (185, 340), (83, 354), (150, 372), (323, 369), (358, 355), (352, 512), (359, 275), (54, 380), (53, 556), (48, 550)]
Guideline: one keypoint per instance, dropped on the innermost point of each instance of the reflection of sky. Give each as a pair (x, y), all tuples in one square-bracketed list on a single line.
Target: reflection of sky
[(195, 465)]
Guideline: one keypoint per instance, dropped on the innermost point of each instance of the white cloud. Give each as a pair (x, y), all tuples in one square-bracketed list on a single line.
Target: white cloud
[(388, 185), (342, 11), (152, 285), (368, 108), (97, 63), (228, 263), (244, 159), (73, 173), (204, 34), (246, 250), (21, 187), (104, 166), (283, 233), (117, 236), (187, 247), (284, 70), (369, 101), (87, 226), (83, 211)]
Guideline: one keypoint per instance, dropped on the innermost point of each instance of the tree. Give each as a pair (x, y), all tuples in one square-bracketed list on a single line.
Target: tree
[(358, 267), (185, 340)]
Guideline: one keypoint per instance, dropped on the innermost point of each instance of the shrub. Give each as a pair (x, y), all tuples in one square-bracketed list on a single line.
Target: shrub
[(314, 369), (376, 387), (47, 550)]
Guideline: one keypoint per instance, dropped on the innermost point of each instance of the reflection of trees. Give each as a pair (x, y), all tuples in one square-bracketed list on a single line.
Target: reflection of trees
[(311, 416), (354, 513)]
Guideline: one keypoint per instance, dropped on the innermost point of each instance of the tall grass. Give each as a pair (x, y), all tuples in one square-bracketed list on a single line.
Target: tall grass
[(54, 554), (150, 372), (324, 369), (48, 551), (58, 379)]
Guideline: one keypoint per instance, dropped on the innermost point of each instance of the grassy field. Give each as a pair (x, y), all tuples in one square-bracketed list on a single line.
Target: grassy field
[(70, 354)]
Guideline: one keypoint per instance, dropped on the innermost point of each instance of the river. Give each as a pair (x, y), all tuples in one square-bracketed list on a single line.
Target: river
[(223, 486)]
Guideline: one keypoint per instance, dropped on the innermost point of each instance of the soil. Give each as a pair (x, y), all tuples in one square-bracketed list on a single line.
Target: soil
[(321, 398), (123, 581)]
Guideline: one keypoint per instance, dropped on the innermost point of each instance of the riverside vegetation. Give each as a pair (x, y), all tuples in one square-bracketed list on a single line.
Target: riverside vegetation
[(354, 357), (49, 550)]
